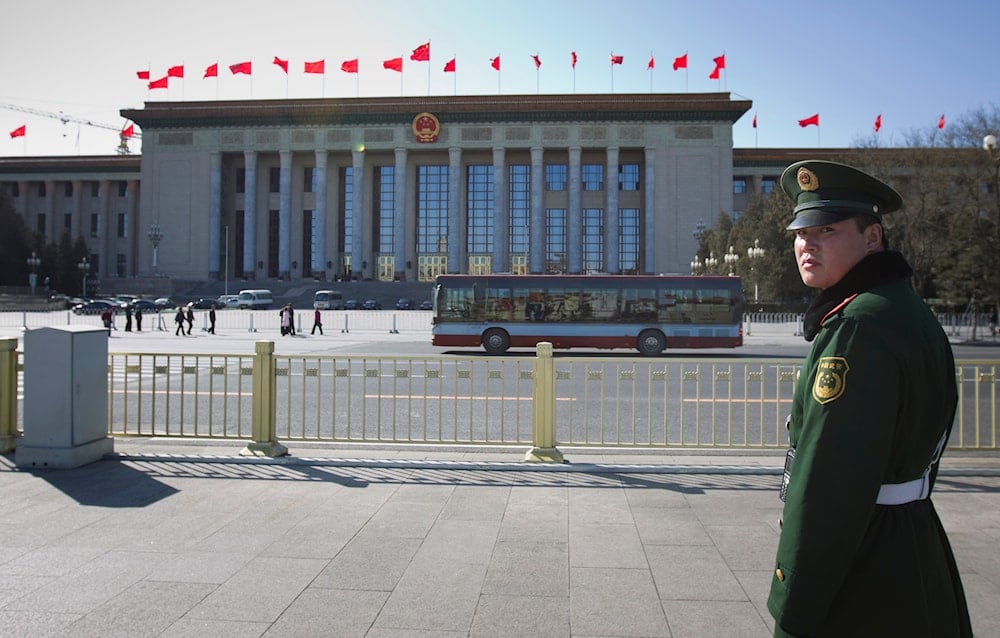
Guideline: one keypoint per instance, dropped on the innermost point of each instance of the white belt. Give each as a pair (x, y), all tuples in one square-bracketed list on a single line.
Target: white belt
[(900, 493)]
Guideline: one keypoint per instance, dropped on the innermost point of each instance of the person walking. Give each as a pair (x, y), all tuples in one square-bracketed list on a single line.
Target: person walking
[(128, 318), (106, 320), (317, 322), (138, 319), (211, 320), (291, 320), (179, 320), (190, 317), (283, 314), (862, 551)]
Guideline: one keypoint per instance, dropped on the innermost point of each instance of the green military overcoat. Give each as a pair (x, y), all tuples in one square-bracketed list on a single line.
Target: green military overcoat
[(875, 396)]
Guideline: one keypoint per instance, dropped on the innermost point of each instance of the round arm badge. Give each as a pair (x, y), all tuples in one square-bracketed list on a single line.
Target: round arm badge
[(831, 379)]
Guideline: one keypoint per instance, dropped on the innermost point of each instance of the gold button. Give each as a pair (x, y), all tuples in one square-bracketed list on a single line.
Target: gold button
[(779, 574)]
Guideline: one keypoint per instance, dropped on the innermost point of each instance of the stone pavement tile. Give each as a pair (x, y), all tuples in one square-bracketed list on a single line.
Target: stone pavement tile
[(433, 596), (144, 609), (982, 596), (673, 526), (459, 540), (88, 586), (594, 545), (476, 503), (369, 561), (692, 572), (49, 560), (259, 592), (186, 628), (604, 506), (499, 616), (329, 612), (651, 494), (745, 547), (718, 619), (404, 519), (757, 586), (529, 523), (316, 536), (525, 568), (615, 602), (198, 567), (33, 623)]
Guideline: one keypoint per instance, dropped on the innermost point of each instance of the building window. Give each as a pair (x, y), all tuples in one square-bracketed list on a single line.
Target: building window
[(347, 205), (593, 177), (309, 179), (555, 240), (308, 242), (593, 240), (95, 224), (739, 185), (274, 180), (68, 221), (95, 189), (122, 225), (479, 203), (67, 189), (41, 224), (241, 180), (122, 189), (41, 189), (768, 184), (15, 189), (518, 206), (555, 177), (432, 209), (121, 265), (385, 180), (628, 177), (628, 241)]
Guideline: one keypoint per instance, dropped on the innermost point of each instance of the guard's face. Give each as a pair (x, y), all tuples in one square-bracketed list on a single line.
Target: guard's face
[(825, 253)]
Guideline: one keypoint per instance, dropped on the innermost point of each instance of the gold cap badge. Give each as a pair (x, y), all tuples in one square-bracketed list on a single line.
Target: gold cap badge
[(807, 179)]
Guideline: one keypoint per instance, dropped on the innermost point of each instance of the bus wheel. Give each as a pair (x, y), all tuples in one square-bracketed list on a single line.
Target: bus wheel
[(650, 343), (496, 341)]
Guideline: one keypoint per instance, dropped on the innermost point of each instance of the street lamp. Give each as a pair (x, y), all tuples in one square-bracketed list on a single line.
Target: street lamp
[(696, 265), (711, 262), (84, 267), (990, 146), (33, 263), (754, 253), (731, 258), (155, 235)]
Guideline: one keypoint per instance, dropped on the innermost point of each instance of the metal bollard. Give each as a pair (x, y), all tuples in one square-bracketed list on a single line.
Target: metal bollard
[(8, 395), (264, 408), (543, 414)]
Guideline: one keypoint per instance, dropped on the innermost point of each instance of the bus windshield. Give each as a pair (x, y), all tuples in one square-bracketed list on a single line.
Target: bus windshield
[(649, 313)]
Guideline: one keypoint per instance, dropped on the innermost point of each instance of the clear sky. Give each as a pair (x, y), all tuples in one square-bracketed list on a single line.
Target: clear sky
[(847, 60)]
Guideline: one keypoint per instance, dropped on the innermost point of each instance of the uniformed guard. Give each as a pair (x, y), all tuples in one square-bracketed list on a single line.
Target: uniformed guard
[(862, 551)]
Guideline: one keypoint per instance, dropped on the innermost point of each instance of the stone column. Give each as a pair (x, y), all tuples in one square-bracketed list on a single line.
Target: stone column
[(319, 216), (501, 214), (612, 262), (399, 235), (285, 215), (574, 218), (76, 210), (457, 246), (50, 209), (132, 226), (359, 259), (536, 230), (650, 214), (214, 215), (250, 215), (103, 241)]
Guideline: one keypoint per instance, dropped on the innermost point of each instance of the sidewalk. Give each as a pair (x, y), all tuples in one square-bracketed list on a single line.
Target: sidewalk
[(168, 539)]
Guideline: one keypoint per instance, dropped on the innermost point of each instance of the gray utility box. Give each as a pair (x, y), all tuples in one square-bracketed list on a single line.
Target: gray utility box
[(65, 398)]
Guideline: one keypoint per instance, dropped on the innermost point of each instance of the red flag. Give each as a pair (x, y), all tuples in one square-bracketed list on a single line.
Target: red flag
[(160, 84), (720, 61), (538, 61), (755, 120), (681, 62), (142, 75), (878, 122), (449, 67), (350, 66), (714, 75), (617, 59), (572, 58), (282, 63), (211, 71), (395, 64), (810, 121), (941, 121), (422, 53), (651, 64), (176, 71), (315, 67), (242, 67), (19, 131), (128, 131), (495, 63)]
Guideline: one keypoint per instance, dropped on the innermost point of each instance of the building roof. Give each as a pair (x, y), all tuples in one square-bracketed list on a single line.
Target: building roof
[(66, 164)]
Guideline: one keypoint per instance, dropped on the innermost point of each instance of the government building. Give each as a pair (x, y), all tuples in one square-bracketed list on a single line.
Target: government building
[(402, 188)]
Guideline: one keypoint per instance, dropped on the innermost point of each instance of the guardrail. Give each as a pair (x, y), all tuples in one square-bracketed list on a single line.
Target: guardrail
[(538, 401)]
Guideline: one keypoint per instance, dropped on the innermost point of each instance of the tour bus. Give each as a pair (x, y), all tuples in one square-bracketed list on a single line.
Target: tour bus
[(328, 300), (255, 299), (648, 313)]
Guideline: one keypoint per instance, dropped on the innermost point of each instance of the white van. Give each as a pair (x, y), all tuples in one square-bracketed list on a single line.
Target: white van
[(255, 299), (328, 300)]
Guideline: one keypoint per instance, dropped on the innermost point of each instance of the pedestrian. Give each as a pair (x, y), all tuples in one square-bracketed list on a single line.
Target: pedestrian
[(138, 319), (211, 320), (106, 319), (862, 551), (128, 318), (284, 320), (190, 317), (993, 323), (317, 322), (179, 320), (291, 320)]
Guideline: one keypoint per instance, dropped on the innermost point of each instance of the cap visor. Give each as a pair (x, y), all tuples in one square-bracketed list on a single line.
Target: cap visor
[(812, 218)]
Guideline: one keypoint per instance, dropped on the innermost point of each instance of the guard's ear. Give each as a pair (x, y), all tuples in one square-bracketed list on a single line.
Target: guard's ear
[(873, 237)]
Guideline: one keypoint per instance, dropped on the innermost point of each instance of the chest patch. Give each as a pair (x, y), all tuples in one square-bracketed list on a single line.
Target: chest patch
[(831, 379)]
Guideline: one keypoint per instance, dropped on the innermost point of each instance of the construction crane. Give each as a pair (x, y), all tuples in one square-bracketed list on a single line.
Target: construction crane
[(123, 135)]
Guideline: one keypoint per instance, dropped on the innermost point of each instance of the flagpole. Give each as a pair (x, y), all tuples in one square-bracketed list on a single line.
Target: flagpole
[(611, 58), (651, 69), (454, 80), (428, 67), (183, 83)]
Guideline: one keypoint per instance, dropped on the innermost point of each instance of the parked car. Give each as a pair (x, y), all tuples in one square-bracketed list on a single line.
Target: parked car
[(143, 304), (404, 303), (228, 301), (371, 304), (427, 304), (94, 307), (164, 303), (204, 304), (352, 304)]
